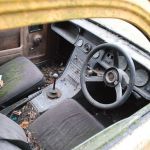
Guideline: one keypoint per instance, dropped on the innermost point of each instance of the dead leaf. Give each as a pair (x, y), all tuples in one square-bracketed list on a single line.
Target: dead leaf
[(24, 124)]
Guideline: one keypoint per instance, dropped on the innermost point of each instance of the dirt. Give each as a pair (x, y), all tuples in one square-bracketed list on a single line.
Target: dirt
[(29, 114), (24, 117)]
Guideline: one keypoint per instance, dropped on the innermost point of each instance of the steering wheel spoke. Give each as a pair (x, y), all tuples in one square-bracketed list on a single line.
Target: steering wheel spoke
[(104, 65), (94, 78), (116, 57), (118, 90)]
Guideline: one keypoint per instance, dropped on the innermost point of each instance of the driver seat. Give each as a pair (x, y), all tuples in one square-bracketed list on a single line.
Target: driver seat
[(62, 127)]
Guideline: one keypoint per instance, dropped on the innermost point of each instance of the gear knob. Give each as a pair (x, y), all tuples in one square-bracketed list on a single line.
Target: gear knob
[(55, 76)]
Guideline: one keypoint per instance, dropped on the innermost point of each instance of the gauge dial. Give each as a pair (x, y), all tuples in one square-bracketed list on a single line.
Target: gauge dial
[(87, 47), (141, 77)]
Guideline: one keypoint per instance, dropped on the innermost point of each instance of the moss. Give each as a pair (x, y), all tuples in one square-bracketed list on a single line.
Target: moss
[(11, 76)]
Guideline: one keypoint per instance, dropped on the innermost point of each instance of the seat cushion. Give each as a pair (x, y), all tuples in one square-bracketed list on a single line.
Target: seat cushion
[(10, 130), (64, 126), (20, 78)]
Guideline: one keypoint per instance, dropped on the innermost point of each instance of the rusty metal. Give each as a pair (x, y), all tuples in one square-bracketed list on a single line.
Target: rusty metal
[(53, 94)]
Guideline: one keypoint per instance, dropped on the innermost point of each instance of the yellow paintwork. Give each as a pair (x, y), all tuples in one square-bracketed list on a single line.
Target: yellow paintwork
[(17, 13)]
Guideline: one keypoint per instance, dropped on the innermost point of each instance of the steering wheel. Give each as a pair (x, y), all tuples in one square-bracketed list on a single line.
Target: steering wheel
[(113, 77)]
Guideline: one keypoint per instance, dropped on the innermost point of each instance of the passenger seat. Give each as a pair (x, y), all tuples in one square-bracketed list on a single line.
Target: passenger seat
[(21, 77)]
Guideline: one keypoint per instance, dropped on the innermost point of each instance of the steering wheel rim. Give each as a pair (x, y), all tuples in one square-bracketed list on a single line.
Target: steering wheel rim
[(130, 86)]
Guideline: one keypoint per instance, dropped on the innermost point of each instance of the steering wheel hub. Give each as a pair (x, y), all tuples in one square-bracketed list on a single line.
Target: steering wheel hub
[(111, 77)]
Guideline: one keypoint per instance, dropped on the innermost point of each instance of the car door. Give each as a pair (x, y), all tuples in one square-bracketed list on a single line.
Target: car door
[(30, 41), (10, 44)]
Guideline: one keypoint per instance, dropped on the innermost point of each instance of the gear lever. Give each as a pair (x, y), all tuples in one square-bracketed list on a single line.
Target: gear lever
[(55, 76), (54, 92)]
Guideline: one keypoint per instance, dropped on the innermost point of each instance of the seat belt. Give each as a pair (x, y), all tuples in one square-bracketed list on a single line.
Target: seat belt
[(10, 108), (20, 144)]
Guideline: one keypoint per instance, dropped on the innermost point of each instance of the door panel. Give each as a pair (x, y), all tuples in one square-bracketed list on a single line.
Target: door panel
[(24, 42), (11, 44), (35, 43), (10, 36)]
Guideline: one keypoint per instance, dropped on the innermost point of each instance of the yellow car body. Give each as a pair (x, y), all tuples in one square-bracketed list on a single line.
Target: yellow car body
[(16, 13)]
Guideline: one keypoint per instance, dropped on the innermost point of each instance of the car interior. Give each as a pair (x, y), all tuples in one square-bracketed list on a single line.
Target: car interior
[(62, 83)]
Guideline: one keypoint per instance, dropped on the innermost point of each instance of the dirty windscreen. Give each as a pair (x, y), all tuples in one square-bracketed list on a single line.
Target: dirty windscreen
[(125, 29)]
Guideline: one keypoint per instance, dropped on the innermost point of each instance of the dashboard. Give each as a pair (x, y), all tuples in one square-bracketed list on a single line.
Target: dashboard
[(84, 41)]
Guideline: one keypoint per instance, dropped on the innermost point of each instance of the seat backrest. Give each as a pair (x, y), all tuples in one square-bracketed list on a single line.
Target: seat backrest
[(12, 131)]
